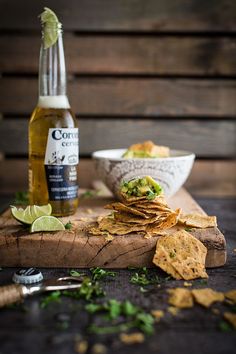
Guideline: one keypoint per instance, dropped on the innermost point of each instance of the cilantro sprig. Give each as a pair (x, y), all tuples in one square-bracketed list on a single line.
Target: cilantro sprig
[(135, 317), (99, 273)]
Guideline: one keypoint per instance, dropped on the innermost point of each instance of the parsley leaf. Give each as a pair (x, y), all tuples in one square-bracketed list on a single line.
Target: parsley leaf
[(137, 318), (54, 296), (99, 273), (69, 225), (87, 291), (21, 198), (224, 326), (74, 273)]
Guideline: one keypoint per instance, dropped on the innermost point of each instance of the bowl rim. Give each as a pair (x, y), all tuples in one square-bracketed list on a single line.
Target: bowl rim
[(182, 154)]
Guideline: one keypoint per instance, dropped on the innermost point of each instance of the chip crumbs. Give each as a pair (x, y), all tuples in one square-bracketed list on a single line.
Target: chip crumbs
[(231, 295), (180, 298), (81, 347), (231, 318), (173, 310), (132, 338), (157, 314), (187, 284), (98, 348), (207, 296)]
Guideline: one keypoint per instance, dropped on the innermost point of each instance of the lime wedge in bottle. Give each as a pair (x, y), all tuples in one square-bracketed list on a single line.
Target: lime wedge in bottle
[(32, 212), (51, 27), (47, 223)]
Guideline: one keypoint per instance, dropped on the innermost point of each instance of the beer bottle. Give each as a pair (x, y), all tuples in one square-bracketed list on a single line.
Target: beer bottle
[(53, 130)]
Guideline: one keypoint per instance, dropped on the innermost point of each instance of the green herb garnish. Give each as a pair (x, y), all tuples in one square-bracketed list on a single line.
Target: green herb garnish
[(54, 296), (99, 273), (225, 327), (87, 291), (188, 229), (21, 198), (115, 310), (74, 273), (89, 194), (172, 254), (69, 225), (143, 278)]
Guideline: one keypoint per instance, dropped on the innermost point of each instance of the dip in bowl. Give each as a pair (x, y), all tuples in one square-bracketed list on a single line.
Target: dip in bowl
[(170, 172)]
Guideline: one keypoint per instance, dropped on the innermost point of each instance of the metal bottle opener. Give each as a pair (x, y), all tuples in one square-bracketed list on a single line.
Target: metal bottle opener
[(10, 294)]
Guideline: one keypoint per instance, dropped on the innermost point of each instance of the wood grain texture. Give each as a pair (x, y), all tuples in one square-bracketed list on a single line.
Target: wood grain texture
[(125, 54), (199, 136), (111, 96), (122, 15), (208, 178), (77, 249)]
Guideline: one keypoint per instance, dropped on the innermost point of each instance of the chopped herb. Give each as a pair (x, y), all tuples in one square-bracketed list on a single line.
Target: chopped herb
[(172, 254), (87, 291), (93, 308), (89, 194), (224, 326), (21, 198), (129, 309), (144, 321), (74, 273), (69, 225), (114, 309), (54, 296), (188, 229), (123, 327), (203, 282), (99, 273)]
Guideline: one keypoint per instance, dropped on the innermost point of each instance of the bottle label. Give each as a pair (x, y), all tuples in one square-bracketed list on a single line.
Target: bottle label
[(61, 160)]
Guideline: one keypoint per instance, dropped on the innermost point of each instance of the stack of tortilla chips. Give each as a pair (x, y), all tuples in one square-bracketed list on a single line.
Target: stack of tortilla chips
[(177, 252), (137, 214)]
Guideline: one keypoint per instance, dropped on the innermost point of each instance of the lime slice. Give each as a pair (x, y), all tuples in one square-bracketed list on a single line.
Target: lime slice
[(51, 27), (32, 212), (47, 223), (37, 211)]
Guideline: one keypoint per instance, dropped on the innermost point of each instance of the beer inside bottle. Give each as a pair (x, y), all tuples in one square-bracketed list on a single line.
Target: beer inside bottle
[(53, 134)]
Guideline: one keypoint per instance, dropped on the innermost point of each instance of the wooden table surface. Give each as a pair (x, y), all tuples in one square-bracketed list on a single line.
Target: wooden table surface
[(197, 330)]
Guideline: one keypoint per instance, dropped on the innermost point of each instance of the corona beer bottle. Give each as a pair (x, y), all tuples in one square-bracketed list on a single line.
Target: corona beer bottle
[(53, 130)]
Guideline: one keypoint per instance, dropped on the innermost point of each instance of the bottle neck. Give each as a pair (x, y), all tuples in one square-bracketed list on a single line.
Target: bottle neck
[(52, 72)]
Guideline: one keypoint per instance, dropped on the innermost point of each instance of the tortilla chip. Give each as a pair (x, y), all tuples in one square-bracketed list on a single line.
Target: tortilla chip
[(181, 255), (169, 221), (130, 218), (119, 228), (173, 310), (132, 338), (162, 260), (207, 296), (157, 314), (159, 199), (189, 268), (127, 209), (198, 221), (180, 297), (231, 295), (231, 318)]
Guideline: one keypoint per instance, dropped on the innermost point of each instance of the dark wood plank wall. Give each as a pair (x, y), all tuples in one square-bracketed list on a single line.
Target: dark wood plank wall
[(137, 69)]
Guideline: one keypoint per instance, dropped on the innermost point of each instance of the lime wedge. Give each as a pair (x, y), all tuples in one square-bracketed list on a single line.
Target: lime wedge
[(47, 223), (32, 212), (51, 27)]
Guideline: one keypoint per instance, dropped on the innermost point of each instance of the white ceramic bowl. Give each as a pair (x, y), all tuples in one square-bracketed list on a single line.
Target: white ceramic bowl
[(170, 172)]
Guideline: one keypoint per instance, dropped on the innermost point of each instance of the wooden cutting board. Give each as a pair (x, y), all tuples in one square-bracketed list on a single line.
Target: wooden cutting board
[(76, 248)]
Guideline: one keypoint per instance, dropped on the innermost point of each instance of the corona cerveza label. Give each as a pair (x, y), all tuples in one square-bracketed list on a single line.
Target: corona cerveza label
[(61, 160)]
